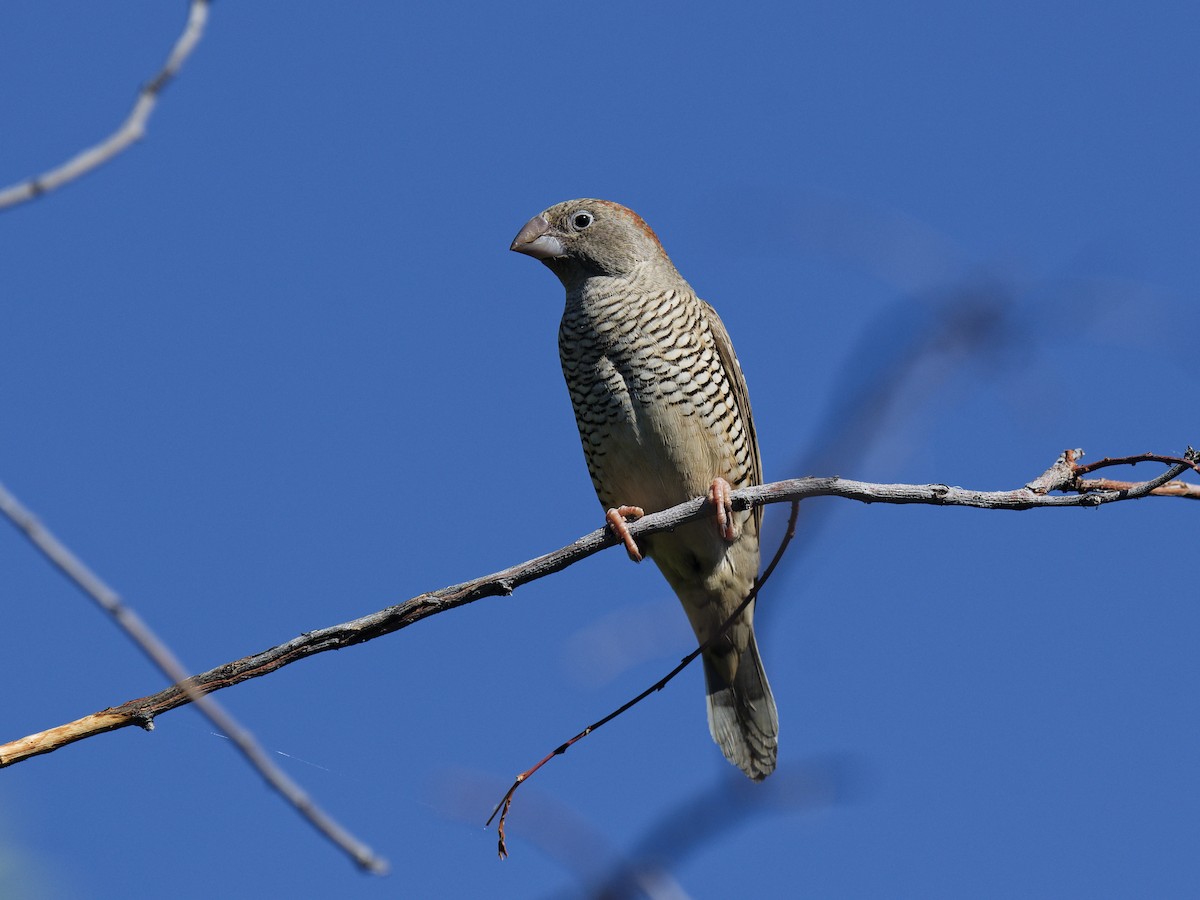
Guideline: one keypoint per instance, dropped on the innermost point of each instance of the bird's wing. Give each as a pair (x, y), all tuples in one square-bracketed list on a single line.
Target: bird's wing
[(741, 395)]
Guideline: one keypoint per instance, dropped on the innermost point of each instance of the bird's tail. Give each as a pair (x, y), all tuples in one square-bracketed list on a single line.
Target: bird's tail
[(741, 715)]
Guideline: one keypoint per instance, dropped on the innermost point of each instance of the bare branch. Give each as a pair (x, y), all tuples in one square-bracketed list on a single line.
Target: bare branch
[(142, 711), (149, 643), (131, 130)]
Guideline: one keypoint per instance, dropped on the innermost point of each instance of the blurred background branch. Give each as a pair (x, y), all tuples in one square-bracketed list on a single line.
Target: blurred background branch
[(130, 131), (162, 656)]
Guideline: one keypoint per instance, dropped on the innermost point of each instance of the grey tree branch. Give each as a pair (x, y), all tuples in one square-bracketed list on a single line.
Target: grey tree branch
[(130, 131), (149, 643), (1062, 476)]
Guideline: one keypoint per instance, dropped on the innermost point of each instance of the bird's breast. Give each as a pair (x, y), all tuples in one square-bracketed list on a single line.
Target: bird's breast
[(652, 402)]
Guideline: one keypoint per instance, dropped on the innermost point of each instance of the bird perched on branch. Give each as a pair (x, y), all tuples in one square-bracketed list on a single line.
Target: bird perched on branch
[(664, 416)]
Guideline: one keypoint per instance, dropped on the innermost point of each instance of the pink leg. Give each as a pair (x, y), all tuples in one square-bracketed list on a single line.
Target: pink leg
[(718, 496), (616, 521)]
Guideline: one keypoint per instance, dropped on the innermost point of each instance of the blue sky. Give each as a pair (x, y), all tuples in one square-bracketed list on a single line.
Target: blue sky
[(275, 368)]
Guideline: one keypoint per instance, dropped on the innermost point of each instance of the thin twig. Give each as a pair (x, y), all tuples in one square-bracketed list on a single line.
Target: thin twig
[(142, 711), (131, 130), (1183, 489), (506, 802), (1189, 459), (150, 644)]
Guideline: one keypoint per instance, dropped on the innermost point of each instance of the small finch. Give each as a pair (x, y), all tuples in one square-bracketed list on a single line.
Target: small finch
[(664, 416)]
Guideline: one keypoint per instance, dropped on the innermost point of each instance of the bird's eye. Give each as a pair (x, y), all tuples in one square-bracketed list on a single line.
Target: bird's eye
[(582, 220)]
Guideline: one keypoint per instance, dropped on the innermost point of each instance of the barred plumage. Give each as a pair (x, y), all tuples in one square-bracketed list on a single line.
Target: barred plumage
[(664, 416)]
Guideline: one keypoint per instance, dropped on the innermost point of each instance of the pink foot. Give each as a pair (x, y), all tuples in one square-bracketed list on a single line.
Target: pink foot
[(616, 521), (718, 496)]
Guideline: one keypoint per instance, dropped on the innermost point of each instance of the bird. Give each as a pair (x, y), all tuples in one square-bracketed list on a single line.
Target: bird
[(664, 416)]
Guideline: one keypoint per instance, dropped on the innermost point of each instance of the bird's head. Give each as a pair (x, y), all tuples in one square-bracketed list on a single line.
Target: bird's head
[(579, 239)]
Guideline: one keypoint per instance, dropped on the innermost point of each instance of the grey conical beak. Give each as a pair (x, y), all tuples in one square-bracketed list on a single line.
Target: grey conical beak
[(536, 240)]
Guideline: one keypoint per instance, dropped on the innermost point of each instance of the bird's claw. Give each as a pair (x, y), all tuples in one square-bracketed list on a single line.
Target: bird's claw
[(617, 519), (718, 496)]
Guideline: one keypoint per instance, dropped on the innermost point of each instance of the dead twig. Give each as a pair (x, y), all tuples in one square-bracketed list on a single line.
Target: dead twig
[(1183, 489), (1190, 459), (1067, 475)]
